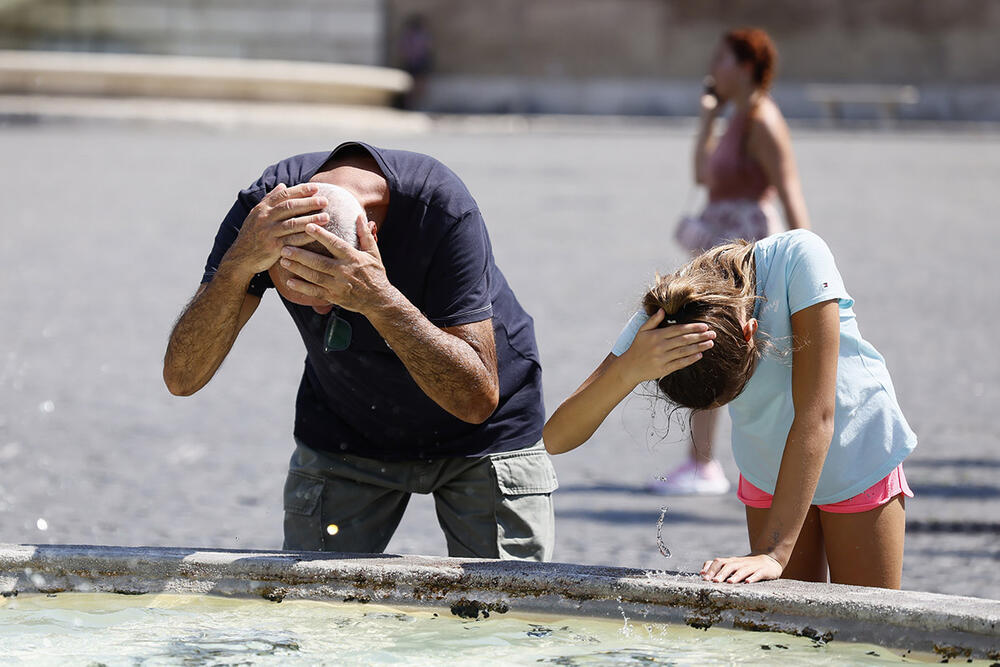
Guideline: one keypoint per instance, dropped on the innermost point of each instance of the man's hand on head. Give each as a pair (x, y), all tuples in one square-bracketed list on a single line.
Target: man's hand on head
[(279, 220), (353, 279)]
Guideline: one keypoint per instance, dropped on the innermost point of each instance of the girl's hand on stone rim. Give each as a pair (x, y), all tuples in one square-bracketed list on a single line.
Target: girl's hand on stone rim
[(746, 569)]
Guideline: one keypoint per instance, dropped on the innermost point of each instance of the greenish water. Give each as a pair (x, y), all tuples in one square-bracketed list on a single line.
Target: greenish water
[(108, 629)]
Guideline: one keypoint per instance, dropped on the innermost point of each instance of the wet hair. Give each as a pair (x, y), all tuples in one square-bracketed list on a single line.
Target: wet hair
[(718, 288), (754, 46), (343, 209)]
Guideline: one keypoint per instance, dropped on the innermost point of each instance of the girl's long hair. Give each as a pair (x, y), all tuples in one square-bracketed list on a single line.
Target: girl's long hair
[(718, 288)]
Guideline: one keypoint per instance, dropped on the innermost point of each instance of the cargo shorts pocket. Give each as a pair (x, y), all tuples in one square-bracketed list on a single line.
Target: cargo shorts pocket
[(303, 520), (524, 514)]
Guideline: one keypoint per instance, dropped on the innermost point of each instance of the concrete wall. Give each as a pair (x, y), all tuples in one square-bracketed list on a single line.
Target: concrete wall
[(914, 41), (577, 56), (648, 56), (342, 31)]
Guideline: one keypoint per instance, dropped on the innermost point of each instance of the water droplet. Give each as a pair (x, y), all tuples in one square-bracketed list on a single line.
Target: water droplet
[(42, 524), (332, 529), (659, 534), (46, 406)]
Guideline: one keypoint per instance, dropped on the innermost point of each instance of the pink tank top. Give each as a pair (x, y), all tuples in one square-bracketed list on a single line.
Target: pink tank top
[(732, 174)]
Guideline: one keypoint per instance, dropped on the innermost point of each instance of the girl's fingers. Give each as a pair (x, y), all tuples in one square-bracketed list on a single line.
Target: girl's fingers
[(714, 567), (725, 571), (704, 567), (675, 331), (653, 321), (740, 574)]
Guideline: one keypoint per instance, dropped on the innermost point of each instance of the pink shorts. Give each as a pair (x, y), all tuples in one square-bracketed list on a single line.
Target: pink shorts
[(876, 495)]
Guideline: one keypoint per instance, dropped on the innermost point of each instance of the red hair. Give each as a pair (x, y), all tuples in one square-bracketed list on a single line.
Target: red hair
[(754, 46)]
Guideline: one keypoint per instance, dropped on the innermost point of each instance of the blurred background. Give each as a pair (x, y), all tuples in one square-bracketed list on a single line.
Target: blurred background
[(128, 126)]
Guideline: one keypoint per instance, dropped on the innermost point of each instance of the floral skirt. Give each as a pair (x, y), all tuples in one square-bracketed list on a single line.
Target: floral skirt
[(725, 221)]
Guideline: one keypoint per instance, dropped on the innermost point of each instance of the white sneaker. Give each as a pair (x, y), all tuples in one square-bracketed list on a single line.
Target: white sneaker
[(692, 479)]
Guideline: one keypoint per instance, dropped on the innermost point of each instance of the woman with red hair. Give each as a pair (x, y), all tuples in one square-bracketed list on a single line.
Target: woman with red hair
[(744, 170)]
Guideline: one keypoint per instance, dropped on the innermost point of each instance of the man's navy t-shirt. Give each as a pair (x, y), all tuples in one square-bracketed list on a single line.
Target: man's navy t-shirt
[(437, 252)]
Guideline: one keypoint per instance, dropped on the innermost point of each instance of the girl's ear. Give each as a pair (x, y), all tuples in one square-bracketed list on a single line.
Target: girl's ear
[(749, 329)]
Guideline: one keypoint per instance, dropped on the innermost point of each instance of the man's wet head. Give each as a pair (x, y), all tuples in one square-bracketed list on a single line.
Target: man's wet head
[(343, 210)]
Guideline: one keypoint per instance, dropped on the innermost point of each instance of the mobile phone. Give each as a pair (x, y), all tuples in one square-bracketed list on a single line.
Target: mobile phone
[(709, 87)]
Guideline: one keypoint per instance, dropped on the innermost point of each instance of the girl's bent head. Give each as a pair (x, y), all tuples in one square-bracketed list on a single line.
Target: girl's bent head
[(717, 288)]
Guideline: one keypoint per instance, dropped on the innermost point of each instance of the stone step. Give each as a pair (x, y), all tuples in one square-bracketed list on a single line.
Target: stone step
[(347, 31), (129, 75)]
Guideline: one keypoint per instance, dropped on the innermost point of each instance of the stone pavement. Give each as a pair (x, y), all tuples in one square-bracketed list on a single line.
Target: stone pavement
[(106, 229)]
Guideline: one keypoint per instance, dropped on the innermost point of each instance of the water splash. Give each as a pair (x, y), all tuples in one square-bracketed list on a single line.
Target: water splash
[(626, 630), (664, 549)]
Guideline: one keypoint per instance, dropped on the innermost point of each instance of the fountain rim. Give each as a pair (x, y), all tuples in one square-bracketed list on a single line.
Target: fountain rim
[(951, 626)]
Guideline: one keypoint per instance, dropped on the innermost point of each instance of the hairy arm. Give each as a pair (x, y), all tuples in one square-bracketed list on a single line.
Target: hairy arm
[(770, 144), (455, 366), (205, 332), (653, 354)]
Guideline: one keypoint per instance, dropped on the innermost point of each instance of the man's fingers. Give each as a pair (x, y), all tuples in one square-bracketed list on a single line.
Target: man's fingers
[(295, 206), (337, 246), (306, 273), (305, 287), (282, 191), (299, 239), (298, 225), (366, 240), (309, 259)]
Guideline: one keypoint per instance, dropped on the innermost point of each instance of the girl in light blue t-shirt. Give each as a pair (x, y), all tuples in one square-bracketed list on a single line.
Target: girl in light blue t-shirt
[(768, 329)]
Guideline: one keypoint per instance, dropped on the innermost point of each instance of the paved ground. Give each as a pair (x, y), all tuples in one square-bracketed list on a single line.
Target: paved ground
[(106, 228)]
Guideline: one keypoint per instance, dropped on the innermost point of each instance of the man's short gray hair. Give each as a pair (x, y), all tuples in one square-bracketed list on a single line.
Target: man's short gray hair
[(343, 209)]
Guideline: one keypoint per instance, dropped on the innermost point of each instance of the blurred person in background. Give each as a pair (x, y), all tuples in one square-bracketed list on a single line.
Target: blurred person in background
[(743, 170), (416, 56)]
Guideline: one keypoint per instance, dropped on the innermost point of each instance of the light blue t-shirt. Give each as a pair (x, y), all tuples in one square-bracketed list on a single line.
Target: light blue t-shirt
[(796, 270)]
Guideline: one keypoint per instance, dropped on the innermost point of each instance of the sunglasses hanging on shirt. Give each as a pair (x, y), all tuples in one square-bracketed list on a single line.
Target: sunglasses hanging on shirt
[(338, 333)]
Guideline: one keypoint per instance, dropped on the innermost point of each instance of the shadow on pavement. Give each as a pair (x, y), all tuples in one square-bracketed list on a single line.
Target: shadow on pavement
[(630, 516)]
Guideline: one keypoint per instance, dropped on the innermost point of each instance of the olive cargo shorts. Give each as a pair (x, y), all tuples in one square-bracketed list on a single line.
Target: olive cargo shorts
[(495, 506)]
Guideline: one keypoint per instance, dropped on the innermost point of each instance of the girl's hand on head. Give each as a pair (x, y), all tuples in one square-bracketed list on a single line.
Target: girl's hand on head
[(746, 569), (658, 352)]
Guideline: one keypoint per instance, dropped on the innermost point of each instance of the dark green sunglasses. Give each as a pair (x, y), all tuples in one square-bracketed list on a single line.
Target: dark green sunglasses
[(338, 333)]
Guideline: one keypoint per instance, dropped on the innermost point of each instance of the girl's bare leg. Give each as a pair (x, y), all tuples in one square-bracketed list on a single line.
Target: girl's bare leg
[(866, 549), (703, 423), (808, 561)]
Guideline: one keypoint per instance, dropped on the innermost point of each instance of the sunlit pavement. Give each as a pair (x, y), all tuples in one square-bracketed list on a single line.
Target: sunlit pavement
[(106, 229)]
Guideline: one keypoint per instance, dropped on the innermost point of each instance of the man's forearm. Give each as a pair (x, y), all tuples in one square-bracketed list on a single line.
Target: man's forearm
[(205, 332), (444, 366)]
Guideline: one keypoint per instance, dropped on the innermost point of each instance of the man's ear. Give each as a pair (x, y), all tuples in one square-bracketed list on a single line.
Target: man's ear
[(749, 329)]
